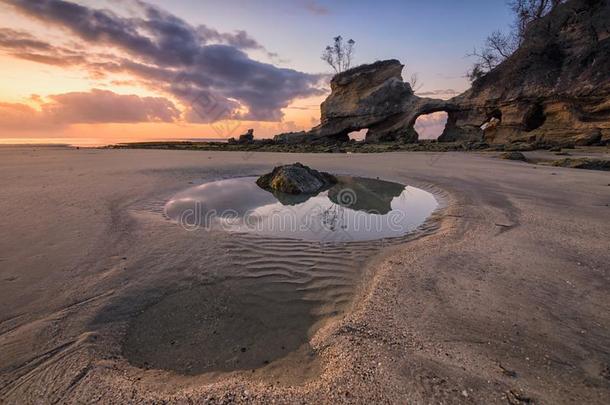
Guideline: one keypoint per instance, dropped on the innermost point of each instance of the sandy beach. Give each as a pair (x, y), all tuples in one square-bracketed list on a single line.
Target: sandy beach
[(503, 298)]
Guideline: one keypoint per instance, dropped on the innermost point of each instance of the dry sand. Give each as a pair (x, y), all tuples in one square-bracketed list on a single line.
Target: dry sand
[(507, 301)]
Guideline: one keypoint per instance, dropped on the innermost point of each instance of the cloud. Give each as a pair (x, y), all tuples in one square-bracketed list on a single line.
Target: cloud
[(99, 106), (240, 39), (166, 53), (438, 93), (23, 45), (315, 8), (96, 106), (165, 23), (10, 38)]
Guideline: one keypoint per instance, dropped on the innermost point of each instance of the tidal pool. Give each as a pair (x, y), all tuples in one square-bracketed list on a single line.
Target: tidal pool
[(355, 209), (276, 284)]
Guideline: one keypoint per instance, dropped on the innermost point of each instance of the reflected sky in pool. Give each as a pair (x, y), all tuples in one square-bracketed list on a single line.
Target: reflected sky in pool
[(356, 209)]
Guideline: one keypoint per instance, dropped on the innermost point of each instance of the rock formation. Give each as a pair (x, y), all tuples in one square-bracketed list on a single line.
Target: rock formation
[(583, 163), (296, 179), (554, 90), (514, 155), (372, 97), (248, 137), (243, 139)]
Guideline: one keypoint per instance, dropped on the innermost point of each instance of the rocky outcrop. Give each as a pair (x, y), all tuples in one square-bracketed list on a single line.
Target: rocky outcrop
[(583, 163), (372, 97), (296, 179), (243, 139), (248, 137), (515, 155), (554, 90)]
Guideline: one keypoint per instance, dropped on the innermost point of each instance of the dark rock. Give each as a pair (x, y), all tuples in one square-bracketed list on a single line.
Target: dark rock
[(291, 137), (590, 138), (296, 179), (248, 137), (583, 163), (514, 156)]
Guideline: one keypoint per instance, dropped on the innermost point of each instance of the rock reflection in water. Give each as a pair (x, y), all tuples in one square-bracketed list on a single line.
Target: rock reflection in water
[(368, 195), (354, 209)]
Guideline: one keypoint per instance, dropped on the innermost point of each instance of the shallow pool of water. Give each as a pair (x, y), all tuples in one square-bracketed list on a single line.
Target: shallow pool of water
[(272, 284), (356, 209)]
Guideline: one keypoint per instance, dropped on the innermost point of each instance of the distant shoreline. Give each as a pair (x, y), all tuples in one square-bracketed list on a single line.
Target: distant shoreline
[(95, 142)]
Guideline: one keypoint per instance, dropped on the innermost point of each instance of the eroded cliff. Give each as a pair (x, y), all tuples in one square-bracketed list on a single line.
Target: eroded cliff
[(554, 90)]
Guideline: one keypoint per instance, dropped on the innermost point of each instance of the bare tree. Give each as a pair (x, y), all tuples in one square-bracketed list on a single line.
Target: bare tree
[(416, 85), (499, 46), (487, 58), (340, 54), (503, 45), (527, 11)]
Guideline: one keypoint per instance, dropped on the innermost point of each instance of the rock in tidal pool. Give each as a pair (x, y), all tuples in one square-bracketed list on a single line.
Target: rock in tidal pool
[(296, 179)]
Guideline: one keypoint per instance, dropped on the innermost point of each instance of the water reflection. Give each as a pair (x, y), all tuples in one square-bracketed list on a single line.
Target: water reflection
[(354, 209), (368, 195)]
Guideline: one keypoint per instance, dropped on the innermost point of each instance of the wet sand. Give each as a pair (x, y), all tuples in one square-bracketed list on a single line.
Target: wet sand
[(505, 299)]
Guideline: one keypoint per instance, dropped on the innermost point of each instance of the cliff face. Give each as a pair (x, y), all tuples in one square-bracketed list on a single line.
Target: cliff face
[(555, 89)]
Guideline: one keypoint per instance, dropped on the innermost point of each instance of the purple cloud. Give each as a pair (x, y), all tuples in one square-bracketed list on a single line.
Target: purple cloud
[(442, 93), (169, 54)]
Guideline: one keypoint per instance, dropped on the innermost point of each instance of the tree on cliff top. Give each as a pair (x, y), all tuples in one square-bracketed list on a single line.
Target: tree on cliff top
[(339, 55), (499, 46)]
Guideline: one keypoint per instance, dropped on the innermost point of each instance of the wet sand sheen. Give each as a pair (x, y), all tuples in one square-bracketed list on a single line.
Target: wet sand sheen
[(219, 328)]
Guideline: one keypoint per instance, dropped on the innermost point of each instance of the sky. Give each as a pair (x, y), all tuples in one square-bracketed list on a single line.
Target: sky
[(105, 71)]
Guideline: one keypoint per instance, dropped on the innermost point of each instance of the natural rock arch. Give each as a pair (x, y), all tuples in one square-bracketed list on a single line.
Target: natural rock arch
[(372, 97), (537, 95)]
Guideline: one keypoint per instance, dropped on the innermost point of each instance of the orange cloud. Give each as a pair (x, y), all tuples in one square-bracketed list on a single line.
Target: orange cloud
[(96, 106)]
